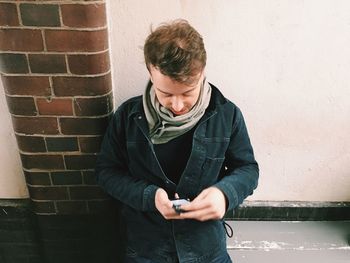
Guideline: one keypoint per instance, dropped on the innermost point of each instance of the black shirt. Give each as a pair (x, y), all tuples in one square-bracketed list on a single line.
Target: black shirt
[(173, 155)]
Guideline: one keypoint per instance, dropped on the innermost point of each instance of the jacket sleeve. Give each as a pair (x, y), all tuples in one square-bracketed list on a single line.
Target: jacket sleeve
[(242, 170), (113, 174)]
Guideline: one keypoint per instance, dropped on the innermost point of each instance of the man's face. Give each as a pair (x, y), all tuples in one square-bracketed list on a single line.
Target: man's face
[(177, 97)]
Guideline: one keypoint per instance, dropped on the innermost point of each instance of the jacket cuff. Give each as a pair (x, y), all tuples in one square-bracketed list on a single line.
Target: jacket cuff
[(149, 198), (230, 194)]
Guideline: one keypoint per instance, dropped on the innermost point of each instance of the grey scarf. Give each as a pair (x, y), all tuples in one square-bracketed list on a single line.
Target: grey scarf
[(162, 123)]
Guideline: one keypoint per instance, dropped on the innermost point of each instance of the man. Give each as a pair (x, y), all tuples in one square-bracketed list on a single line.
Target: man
[(181, 140)]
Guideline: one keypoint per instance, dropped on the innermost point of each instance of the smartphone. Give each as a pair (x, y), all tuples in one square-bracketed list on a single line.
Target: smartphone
[(177, 205)]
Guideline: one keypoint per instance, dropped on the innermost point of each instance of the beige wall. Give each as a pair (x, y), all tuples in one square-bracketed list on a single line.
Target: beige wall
[(12, 183), (285, 63)]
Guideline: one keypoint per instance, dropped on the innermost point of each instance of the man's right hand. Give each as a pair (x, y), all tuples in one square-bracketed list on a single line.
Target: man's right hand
[(164, 205)]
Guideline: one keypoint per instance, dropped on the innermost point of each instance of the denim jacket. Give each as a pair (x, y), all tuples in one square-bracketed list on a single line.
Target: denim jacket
[(128, 169)]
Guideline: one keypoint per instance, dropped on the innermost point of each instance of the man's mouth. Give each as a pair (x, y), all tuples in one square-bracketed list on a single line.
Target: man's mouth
[(179, 112)]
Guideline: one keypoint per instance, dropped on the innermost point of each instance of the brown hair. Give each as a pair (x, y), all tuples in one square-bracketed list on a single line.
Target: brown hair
[(177, 50)]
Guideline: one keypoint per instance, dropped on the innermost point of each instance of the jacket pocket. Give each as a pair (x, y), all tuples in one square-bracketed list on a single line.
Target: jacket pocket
[(215, 148), (211, 170)]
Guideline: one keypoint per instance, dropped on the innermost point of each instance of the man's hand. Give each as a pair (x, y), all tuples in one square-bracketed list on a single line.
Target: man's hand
[(164, 205), (210, 204)]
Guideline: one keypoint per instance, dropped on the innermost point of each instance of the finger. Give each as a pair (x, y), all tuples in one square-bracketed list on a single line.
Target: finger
[(163, 204), (195, 206), (168, 212), (171, 214), (164, 200), (201, 215), (198, 203)]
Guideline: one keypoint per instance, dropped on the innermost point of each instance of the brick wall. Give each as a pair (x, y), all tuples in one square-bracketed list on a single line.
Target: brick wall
[(55, 68)]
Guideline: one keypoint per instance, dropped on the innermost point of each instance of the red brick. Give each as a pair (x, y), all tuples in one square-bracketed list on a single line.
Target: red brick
[(37, 178), (86, 193), (42, 207), (83, 126), (31, 143), (62, 144), (88, 15), (82, 86), (21, 105), (48, 193), (47, 63), (93, 106), (90, 144), (71, 207), (89, 64), (101, 206), (35, 125), (8, 15), (60, 107), (40, 15), (66, 178), (26, 85), (89, 177), (21, 40), (75, 162), (13, 63), (74, 41), (42, 161)]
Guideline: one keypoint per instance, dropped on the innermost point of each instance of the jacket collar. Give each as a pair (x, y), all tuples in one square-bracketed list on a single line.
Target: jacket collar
[(217, 98)]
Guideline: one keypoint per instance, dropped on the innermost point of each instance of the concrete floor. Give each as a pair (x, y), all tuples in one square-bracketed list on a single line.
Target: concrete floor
[(292, 241)]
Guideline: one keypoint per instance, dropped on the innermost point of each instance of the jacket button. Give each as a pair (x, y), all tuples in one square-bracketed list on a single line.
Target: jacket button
[(139, 117)]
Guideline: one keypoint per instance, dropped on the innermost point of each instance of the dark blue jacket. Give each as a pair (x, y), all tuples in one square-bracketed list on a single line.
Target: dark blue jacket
[(127, 168)]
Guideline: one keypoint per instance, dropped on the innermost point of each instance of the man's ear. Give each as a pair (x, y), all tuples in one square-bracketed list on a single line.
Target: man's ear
[(149, 67)]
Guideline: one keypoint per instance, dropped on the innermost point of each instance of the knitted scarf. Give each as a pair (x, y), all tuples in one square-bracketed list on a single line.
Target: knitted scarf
[(163, 124)]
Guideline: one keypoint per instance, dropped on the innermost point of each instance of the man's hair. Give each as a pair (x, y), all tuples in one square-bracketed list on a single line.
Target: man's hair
[(177, 50)]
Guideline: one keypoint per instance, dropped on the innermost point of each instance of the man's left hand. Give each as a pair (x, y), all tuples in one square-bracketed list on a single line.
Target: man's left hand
[(210, 204)]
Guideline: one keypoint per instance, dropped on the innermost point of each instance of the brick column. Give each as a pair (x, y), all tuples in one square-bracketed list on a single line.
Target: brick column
[(54, 62)]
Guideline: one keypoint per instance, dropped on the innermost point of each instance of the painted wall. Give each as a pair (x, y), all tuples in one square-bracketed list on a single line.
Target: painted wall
[(285, 63), (12, 183)]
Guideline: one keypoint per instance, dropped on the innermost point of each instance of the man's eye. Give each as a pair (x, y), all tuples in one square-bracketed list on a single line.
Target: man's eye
[(189, 94)]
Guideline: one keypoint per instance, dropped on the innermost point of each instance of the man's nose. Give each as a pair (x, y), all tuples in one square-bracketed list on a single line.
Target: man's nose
[(177, 103)]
